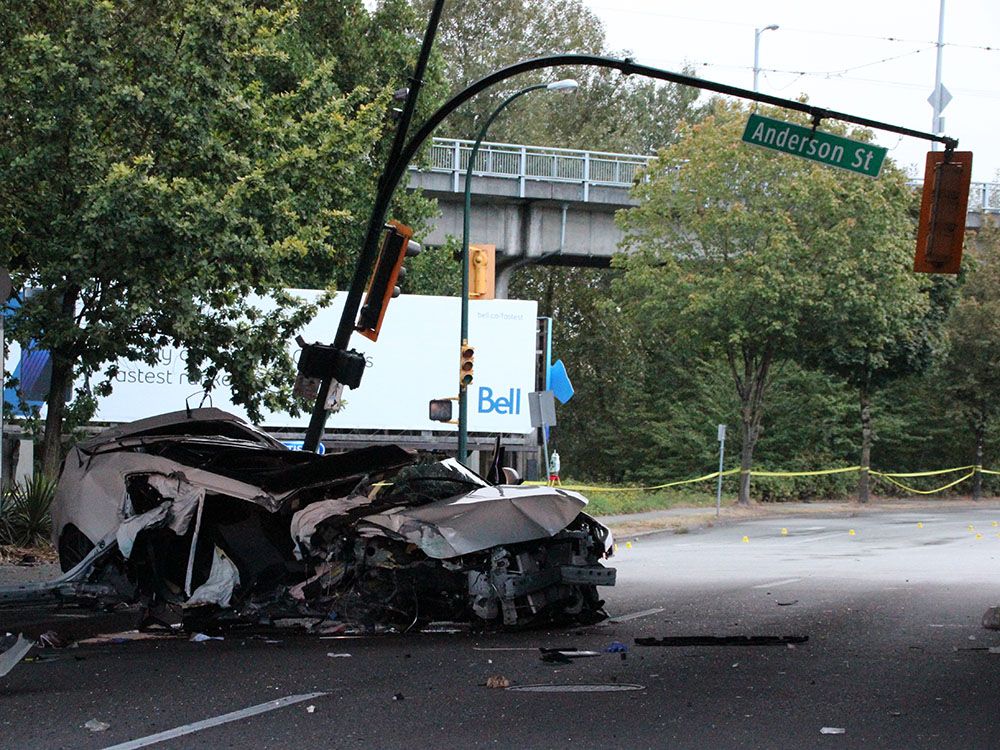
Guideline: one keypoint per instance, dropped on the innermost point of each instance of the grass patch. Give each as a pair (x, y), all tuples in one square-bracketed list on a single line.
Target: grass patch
[(624, 500)]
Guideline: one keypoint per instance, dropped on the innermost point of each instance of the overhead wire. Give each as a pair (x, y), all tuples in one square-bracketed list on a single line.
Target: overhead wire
[(821, 32)]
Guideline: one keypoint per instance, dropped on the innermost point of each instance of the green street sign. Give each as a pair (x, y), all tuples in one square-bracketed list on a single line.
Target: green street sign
[(833, 150)]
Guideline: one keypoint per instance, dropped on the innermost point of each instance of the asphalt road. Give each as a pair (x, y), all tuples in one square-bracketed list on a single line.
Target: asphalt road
[(896, 657)]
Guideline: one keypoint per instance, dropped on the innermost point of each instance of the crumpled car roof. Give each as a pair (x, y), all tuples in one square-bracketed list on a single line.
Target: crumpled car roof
[(186, 423)]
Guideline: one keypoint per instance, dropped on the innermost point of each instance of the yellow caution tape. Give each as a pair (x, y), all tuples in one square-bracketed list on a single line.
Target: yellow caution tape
[(889, 478), (921, 473), (816, 473), (595, 488)]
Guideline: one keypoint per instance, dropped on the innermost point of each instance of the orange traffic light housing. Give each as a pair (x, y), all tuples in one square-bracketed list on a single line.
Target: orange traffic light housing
[(465, 365), (482, 272), (396, 247), (943, 209)]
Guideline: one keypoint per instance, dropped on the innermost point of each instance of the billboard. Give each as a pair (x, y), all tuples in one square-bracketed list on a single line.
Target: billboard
[(415, 360)]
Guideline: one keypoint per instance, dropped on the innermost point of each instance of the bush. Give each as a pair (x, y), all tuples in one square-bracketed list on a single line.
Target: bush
[(24, 517)]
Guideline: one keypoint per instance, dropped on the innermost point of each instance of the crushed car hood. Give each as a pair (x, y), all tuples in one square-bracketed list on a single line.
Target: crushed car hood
[(482, 519)]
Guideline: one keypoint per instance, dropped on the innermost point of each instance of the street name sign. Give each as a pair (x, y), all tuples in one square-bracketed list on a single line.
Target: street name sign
[(825, 148)]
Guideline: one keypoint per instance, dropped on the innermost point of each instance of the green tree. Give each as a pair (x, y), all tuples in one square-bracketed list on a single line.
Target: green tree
[(874, 320), (971, 369), (598, 435), (160, 163), (728, 252), (609, 111)]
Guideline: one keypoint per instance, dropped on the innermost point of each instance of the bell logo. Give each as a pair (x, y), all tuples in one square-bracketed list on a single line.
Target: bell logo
[(509, 404)]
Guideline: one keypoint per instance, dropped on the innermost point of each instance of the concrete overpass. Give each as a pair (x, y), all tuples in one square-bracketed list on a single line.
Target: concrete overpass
[(553, 205)]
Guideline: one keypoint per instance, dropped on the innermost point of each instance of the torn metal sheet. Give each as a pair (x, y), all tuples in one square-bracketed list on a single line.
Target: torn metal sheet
[(202, 517), (222, 581), (10, 658)]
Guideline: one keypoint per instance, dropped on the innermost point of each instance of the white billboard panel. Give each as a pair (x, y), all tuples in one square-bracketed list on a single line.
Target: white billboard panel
[(414, 360)]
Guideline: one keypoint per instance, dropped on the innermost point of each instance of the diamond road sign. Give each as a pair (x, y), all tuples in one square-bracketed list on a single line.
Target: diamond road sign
[(833, 150)]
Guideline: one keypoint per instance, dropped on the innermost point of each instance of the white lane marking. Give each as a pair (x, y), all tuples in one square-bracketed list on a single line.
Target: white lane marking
[(197, 726), (636, 615), (775, 584), (816, 538)]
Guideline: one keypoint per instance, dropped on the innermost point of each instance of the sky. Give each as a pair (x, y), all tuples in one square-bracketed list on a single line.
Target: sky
[(874, 59)]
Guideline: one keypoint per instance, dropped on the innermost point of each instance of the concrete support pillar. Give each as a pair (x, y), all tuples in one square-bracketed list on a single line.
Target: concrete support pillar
[(25, 460), (503, 275)]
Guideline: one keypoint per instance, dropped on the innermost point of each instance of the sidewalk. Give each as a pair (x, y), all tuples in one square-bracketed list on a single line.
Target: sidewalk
[(682, 520)]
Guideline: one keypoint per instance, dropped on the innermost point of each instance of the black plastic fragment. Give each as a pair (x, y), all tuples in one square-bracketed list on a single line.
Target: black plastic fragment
[(723, 640)]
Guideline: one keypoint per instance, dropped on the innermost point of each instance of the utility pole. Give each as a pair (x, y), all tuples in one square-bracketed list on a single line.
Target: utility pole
[(939, 96)]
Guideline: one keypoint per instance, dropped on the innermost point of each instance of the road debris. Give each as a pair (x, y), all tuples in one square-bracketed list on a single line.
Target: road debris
[(991, 618), (616, 647), (832, 730), (333, 655), (51, 639), (12, 650), (203, 518), (565, 655), (310, 709), (617, 687), (787, 604), (127, 636), (498, 682), (723, 640), (96, 725), (202, 638)]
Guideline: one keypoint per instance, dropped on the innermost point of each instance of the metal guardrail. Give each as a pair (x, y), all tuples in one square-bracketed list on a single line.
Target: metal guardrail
[(984, 197), (522, 163), (588, 168)]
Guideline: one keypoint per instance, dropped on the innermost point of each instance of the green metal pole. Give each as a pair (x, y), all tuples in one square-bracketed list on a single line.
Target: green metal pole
[(463, 400)]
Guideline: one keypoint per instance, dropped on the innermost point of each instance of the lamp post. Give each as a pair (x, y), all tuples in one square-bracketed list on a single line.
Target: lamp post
[(566, 85), (756, 50)]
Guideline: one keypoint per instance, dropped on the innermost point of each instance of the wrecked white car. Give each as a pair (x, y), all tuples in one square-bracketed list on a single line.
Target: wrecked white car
[(199, 513)]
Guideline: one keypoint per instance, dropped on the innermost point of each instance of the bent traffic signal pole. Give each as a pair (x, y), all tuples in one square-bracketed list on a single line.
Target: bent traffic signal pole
[(398, 161)]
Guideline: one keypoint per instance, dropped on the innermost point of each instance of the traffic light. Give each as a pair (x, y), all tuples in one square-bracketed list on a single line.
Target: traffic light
[(396, 247), (465, 365), (943, 208), (482, 271), (398, 96)]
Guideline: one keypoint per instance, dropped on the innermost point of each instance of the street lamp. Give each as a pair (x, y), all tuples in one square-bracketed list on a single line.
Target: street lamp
[(756, 50), (566, 85)]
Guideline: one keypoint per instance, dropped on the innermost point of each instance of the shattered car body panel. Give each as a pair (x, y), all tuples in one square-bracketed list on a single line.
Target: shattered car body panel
[(214, 518)]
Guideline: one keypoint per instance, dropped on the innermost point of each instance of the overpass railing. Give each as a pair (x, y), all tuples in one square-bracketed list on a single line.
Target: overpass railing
[(522, 163), (588, 168), (984, 197)]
